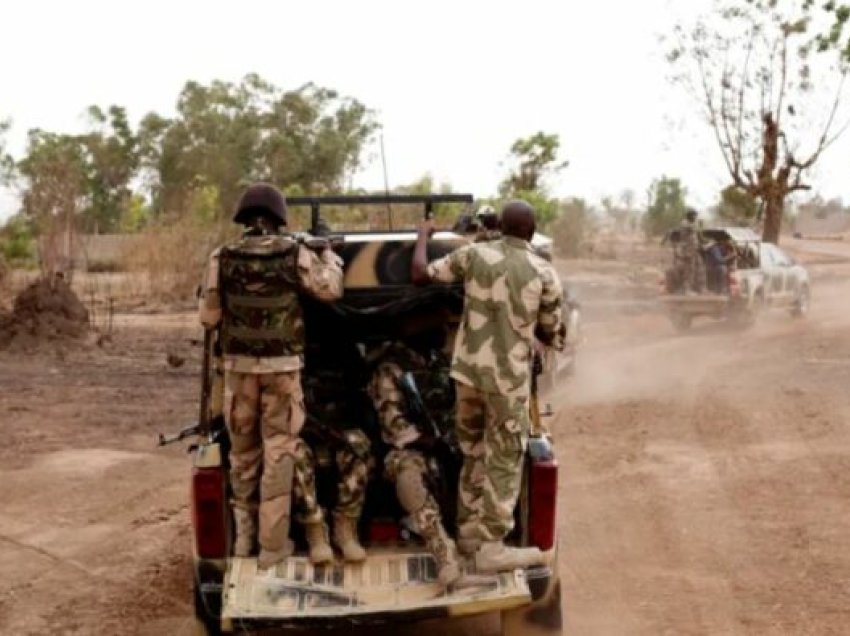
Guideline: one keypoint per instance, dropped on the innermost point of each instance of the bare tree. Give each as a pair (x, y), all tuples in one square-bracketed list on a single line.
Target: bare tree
[(772, 102)]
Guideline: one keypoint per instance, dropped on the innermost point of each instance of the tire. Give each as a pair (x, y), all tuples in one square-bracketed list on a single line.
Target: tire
[(681, 322), (537, 619), (801, 305)]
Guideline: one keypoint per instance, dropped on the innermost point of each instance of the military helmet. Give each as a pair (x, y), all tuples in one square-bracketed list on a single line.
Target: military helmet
[(487, 217), (691, 214), (261, 198)]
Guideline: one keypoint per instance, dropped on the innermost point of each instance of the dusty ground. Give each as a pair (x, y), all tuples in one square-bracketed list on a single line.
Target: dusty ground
[(705, 477)]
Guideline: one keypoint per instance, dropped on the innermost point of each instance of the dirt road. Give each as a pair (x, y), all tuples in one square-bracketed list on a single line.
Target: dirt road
[(704, 487)]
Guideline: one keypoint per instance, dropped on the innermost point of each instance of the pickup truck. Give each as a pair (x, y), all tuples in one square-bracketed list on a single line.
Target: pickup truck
[(397, 582), (759, 275)]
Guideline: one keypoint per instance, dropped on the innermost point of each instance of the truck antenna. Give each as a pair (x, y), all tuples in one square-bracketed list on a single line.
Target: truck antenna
[(386, 182)]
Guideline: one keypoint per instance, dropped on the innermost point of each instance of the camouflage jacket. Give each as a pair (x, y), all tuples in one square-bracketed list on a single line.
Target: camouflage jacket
[(511, 296), (318, 274)]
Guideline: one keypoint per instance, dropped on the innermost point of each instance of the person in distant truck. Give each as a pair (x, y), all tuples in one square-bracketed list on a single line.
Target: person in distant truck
[(408, 462), (251, 295), (511, 296), (690, 269)]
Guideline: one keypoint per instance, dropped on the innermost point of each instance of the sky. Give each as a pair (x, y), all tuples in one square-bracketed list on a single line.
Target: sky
[(453, 83)]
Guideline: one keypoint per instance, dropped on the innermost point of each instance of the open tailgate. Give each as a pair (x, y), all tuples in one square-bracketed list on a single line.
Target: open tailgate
[(392, 582)]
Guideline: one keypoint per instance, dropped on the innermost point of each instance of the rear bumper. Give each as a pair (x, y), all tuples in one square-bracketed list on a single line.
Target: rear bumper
[(529, 586)]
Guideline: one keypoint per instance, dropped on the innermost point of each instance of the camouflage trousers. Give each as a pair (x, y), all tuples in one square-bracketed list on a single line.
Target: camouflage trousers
[(408, 469), (264, 413), (492, 431), (354, 463)]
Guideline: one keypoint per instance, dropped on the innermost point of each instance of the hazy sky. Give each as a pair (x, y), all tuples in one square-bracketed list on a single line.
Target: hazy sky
[(453, 82)]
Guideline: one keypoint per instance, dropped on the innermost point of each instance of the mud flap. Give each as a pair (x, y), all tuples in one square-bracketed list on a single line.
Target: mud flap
[(383, 584)]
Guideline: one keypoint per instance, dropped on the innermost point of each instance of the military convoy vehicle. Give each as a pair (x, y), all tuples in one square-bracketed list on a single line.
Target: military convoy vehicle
[(397, 582), (758, 276)]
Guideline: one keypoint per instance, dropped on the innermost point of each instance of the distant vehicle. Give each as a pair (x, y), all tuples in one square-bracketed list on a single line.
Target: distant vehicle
[(397, 582), (760, 275)]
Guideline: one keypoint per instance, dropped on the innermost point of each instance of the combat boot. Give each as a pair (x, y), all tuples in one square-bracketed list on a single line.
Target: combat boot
[(317, 537), (345, 538), (246, 532), (440, 544), (269, 558), (495, 556)]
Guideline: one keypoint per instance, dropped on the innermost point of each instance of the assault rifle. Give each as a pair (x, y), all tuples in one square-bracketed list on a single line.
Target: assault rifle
[(537, 426), (202, 428), (418, 413)]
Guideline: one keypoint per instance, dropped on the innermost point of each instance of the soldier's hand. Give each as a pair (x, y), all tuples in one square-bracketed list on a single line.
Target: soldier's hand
[(426, 227)]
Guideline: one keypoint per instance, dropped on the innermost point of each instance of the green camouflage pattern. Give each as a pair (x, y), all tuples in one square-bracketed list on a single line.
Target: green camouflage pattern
[(492, 431), (398, 432), (512, 295), (355, 464), (261, 312)]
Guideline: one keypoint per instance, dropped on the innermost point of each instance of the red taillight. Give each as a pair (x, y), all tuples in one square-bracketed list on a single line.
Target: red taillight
[(208, 512), (543, 495)]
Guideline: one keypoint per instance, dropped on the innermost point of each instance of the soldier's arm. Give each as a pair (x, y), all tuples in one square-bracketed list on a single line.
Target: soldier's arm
[(551, 329), (320, 273), (209, 300), (451, 268)]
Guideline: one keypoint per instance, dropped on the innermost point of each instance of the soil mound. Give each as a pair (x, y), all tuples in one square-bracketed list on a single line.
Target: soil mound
[(47, 310)]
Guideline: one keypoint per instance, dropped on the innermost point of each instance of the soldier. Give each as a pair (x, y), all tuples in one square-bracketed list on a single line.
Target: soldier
[(488, 224), (328, 427), (511, 296), (405, 464), (688, 254), (250, 293)]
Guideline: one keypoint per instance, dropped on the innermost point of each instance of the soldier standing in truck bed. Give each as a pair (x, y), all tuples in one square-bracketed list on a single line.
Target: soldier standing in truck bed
[(511, 296), (251, 294)]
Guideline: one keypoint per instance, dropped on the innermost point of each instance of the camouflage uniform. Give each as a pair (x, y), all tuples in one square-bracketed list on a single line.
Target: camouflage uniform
[(512, 296), (483, 235), (250, 292), (408, 467), (690, 266)]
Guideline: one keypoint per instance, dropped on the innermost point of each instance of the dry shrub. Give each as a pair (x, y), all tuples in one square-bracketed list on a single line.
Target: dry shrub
[(172, 256)]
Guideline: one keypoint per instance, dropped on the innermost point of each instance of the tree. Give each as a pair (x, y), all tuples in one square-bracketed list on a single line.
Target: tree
[(226, 135), (534, 160), (7, 163), (750, 64), (55, 188), (666, 206), (112, 160), (737, 206)]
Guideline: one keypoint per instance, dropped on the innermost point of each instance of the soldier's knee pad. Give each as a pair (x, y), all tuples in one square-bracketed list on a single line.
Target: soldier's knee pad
[(411, 490)]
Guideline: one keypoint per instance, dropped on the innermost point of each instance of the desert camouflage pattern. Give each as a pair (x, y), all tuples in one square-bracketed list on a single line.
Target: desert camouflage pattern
[(511, 296), (264, 414), (492, 431), (398, 432), (270, 312)]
